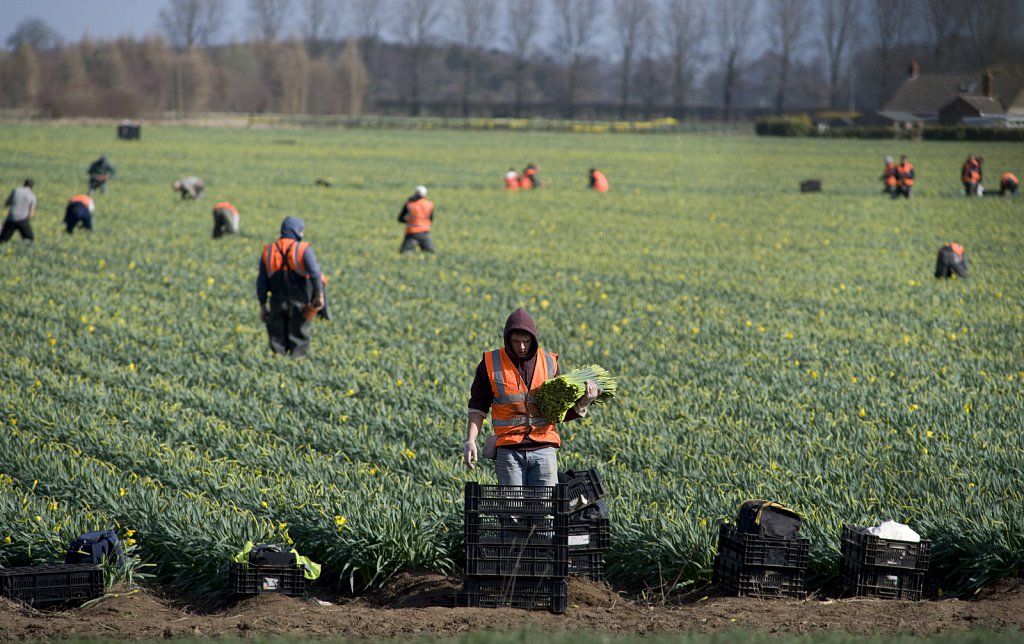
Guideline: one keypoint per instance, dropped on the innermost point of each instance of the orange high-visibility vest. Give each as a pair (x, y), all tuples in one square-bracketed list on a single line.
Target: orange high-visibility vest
[(905, 174), (285, 253), (600, 181), (526, 181), (226, 206), (971, 172), (1009, 177), (418, 219), (958, 249), (512, 182), (85, 200), (889, 174), (514, 411)]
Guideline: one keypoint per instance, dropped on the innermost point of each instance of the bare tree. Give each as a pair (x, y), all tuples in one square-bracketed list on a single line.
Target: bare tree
[(944, 19), (683, 31), (35, 33), (416, 20), (522, 17), (575, 22), (993, 28), (733, 24), (630, 20), (789, 21), (192, 22), (319, 23), (267, 18), (839, 26), (366, 18), (475, 20), (890, 26)]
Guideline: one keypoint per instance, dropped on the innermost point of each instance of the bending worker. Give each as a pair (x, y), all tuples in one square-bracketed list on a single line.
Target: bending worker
[(189, 187), (225, 219), (952, 260), (598, 182), (505, 383), (970, 175), (100, 172), (79, 213), (1009, 183), (289, 272)]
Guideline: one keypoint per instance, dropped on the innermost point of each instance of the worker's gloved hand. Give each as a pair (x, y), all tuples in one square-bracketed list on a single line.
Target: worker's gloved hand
[(318, 301), (469, 455), (264, 314)]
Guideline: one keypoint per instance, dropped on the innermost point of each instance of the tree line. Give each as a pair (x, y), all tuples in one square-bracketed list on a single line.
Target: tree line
[(556, 58)]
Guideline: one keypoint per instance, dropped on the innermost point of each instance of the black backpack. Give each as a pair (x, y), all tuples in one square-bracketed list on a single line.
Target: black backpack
[(768, 519), (271, 554), (94, 548)]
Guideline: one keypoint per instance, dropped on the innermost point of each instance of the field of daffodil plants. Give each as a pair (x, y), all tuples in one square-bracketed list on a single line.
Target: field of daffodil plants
[(767, 344)]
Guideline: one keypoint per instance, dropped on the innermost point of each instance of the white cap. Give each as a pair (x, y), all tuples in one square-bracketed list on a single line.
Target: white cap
[(421, 191), (888, 159)]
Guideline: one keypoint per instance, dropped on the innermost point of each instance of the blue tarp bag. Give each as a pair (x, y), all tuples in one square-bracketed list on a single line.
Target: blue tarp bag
[(94, 547)]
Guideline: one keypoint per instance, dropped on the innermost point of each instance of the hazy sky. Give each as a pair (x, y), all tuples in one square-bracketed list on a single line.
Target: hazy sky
[(102, 18)]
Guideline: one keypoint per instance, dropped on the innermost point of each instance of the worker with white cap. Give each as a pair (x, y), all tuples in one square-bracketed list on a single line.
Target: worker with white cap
[(889, 177), (417, 215)]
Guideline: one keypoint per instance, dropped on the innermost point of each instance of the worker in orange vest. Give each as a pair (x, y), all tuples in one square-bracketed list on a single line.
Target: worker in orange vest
[(225, 219), (512, 180), (889, 177), (904, 178), (1009, 183), (79, 213), (952, 260), (530, 178), (505, 383), (418, 216), (598, 182), (970, 176), (291, 276)]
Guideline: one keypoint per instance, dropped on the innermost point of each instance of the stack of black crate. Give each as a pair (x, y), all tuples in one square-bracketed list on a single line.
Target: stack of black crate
[(517, 547), (589, 526), (872, 566), (751, 565)]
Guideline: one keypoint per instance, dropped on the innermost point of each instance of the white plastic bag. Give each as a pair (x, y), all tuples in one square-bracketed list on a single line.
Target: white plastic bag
[(894, 531)]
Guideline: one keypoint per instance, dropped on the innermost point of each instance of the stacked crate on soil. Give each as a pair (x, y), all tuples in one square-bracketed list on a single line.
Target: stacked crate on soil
[(49, 585), (517, 547), (763, 555), (872, 566), (589, 527)]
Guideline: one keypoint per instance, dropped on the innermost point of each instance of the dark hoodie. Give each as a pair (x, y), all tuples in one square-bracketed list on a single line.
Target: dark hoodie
[(481, 395), (292, 228)]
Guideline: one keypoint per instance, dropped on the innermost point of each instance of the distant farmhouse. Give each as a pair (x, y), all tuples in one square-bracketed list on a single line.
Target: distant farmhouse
[(957, 99)]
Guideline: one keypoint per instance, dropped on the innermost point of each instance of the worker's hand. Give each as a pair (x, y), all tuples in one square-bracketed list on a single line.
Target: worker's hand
[(318, 301), (589, 396), (469, 454), (264, 314)]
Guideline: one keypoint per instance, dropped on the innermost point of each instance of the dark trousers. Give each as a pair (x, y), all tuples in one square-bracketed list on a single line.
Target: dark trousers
[(76, 217), (22, 227), (949, 263), (288, 329), (422, 240)]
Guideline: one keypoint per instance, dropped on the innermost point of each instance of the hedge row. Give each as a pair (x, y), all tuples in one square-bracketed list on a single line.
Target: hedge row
[(804, 126)]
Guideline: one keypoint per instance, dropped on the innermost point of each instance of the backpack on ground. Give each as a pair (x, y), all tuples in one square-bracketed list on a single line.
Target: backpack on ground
[(94, 548), (271, 554)]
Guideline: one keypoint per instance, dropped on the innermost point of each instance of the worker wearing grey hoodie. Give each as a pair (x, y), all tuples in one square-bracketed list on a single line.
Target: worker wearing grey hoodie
[(505, 384), (289, 272)]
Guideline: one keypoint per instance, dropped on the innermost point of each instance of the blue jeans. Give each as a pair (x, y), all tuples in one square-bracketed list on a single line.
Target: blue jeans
[(534, 467)]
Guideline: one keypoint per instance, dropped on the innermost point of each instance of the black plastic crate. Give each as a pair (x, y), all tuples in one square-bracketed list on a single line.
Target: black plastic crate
[(584, 489), (882, 582), (251, 579), (870, 550), (531, 594), (755, 550), (528, 530), (517, 561), (516, 499), (590, 535), (587, 564), (57, 584), (732, 576)]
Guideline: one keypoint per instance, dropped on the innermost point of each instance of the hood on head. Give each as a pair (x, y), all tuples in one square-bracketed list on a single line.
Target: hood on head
[(292, 227), (520, 320)]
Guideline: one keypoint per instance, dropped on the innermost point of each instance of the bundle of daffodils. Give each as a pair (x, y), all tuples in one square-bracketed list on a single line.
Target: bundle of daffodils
[(557, 396)]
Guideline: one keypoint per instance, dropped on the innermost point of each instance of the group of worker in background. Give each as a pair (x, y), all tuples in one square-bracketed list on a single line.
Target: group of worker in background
[(530, 179), (898, 179)]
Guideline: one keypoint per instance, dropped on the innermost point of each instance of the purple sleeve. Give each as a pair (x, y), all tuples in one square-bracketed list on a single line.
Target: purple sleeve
[(313, 268)]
